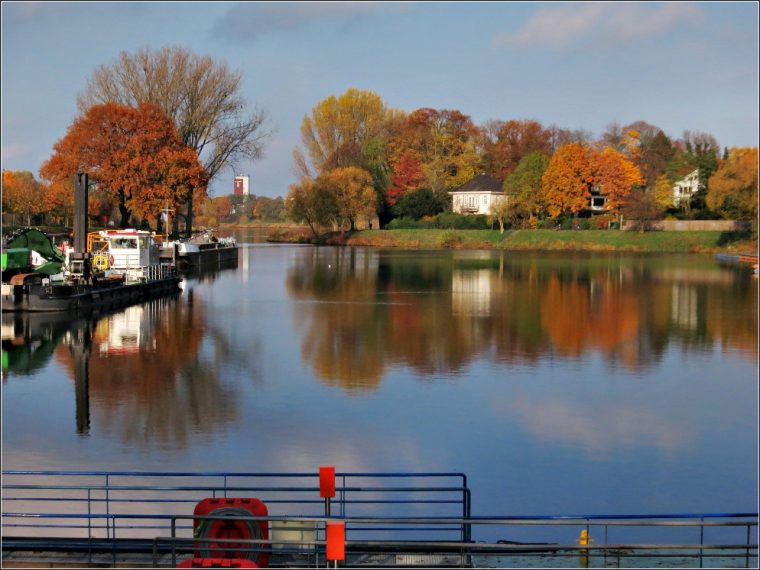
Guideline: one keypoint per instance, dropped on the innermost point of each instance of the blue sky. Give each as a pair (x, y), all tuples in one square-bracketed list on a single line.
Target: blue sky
[(680, 66)]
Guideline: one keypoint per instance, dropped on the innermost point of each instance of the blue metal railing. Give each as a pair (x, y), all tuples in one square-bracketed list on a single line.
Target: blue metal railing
[(404, 512), (61, 502)]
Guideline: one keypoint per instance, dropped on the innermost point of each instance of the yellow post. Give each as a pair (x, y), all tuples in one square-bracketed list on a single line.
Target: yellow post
[(584, 540)]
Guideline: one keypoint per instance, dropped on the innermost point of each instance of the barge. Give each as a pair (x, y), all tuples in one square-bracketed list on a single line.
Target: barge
[(125, 268), (203, 250)]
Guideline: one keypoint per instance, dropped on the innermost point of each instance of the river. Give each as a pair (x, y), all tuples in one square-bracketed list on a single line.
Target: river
[(559, 383)]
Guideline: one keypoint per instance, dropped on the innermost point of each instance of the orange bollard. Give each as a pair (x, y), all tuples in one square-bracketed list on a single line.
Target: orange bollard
[(327, 482), (336, 541)]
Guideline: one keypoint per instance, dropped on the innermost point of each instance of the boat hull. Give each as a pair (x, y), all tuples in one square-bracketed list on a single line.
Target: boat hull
[(35, 297), (204, 257)]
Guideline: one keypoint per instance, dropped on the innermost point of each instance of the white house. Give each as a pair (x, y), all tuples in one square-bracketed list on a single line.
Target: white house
[(685, 188), (477, 196)]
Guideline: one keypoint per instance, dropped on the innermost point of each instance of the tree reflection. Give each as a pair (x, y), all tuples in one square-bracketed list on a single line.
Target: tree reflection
[(147, 382), (360, 312)]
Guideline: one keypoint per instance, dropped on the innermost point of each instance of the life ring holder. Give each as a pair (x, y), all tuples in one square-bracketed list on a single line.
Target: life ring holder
[(101, 261), (208, 531)]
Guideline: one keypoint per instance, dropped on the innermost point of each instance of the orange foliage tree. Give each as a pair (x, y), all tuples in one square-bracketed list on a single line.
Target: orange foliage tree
[(133, 154), (616, 176), (407, 176), (567, 179), (22, 194)]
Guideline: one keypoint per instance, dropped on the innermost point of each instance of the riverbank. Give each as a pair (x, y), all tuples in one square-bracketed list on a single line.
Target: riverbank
[(537, 240)]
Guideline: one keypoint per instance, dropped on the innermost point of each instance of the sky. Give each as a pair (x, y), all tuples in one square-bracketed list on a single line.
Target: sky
[(677, 65)]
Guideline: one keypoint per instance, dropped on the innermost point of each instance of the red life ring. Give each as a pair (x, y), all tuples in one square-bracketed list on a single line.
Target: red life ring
[(213, 535)]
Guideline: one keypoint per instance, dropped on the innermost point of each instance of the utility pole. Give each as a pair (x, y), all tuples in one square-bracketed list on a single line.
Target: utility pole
[(165, 217)]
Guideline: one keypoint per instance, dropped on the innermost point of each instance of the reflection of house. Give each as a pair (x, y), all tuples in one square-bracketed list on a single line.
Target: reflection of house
[(471, 292), (684, 306), (685, 188), (477, 196)]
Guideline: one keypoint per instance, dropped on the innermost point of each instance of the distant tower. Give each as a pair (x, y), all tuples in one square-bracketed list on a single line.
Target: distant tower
[(241, 185)]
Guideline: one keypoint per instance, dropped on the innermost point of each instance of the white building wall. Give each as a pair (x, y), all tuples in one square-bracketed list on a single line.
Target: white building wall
[(474, 202), (685, 188)]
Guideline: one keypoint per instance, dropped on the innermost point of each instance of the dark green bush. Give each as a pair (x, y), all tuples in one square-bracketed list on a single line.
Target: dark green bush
[(450, 220)]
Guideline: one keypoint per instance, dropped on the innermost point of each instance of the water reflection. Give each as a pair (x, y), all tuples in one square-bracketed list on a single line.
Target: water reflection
[(139, 373), (361, 312)]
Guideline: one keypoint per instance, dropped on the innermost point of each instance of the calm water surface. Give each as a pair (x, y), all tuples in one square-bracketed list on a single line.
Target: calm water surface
[(560, 383)]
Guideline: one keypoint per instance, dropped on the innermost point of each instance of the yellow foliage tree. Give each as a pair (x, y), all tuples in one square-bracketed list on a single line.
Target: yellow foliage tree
[(733, 189), (354, 194)]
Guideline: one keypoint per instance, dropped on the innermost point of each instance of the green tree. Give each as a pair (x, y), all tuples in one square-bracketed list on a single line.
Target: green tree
[(523, 186), (417, 204), (655, 158)]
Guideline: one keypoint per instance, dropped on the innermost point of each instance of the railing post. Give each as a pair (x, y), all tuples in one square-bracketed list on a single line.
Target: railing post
[(746, 561), (174, 542), (701, 538), (108, 508)]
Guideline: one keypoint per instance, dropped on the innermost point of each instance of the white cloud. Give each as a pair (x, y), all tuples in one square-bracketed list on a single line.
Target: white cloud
[(563, 26)]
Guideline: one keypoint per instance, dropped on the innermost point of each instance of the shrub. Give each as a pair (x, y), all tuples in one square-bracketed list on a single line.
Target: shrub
[(407, 224), (450, 238), (450, 220)]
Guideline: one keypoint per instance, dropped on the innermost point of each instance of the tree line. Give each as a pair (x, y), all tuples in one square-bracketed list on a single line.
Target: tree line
[(354, 142), (156, 126)]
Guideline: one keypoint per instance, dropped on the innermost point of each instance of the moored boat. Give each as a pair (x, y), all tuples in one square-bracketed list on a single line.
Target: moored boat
[(203, 249), (126, 268)]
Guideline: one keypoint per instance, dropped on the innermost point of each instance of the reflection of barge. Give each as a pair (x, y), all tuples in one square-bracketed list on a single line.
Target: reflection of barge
[(127, 269), (203, 250)]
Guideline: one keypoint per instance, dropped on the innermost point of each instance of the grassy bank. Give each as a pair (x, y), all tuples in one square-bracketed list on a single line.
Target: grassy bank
[(552, 240)]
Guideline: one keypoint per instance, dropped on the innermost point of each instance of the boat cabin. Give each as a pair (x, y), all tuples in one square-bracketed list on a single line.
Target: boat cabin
[(122, 250)]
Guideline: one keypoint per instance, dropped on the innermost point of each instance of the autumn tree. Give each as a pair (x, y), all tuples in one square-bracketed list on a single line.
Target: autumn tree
[(643, 208), (503, 144), (354, 195), (524, 188), (733, 188), (502, 211), (566, 180), (59, 200), (443, 142), (201, 96), (341, 131), (133, 154), (22, 194), (559, 137), (615, 175), (407, 177), (312, 204), (663, 192)]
